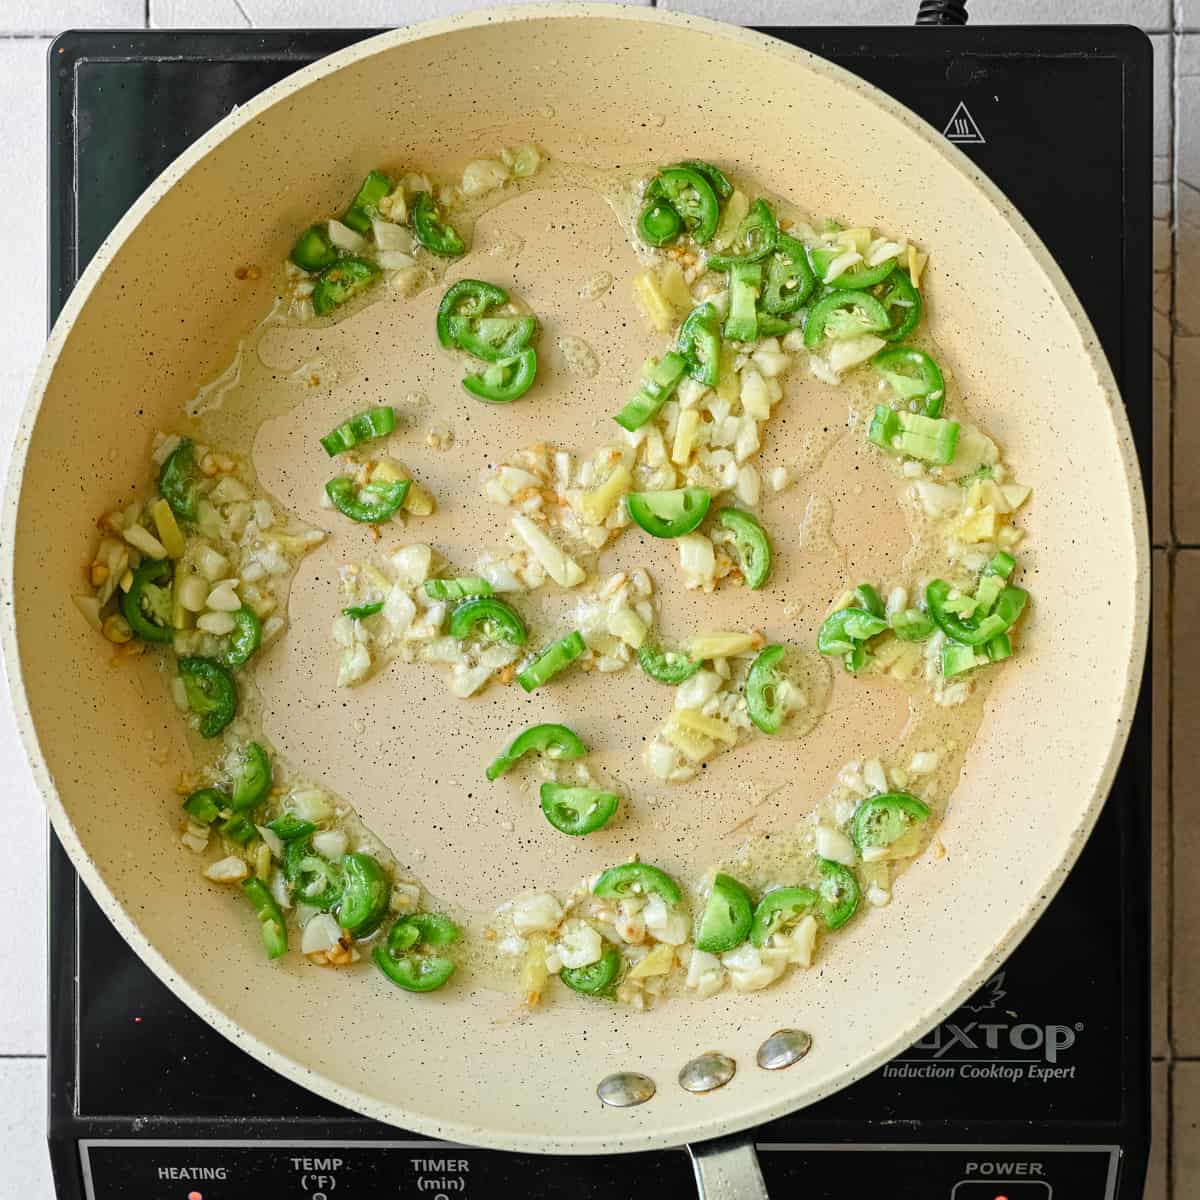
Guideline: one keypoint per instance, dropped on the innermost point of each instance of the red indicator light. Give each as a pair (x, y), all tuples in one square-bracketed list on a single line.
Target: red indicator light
[(197, 1196)]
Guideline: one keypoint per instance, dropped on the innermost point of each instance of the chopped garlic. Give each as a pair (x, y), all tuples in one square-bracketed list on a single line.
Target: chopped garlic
[(664, 922), (723, 645), (228, 870), (579, 945), (706, 974), (534, 913), (835, 846), (750, 969), (563, 569)]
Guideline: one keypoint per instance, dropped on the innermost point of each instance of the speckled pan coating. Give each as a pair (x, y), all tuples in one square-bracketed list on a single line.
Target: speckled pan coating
[(152, 316)]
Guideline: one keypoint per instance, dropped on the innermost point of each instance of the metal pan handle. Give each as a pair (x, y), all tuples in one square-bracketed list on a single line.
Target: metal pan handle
[(727, 1169)]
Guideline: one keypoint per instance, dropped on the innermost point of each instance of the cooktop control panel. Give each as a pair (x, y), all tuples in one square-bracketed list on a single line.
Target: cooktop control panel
[(128, 1169)]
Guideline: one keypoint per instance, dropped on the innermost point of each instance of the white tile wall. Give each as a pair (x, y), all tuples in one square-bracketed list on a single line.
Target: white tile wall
[(22, 890), (24, 1163), (53, 16), (1149, 14), (269, 14), (23, 1167)]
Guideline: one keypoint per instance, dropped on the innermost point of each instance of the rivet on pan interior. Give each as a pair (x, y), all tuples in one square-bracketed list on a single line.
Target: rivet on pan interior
[(707, 1072), (625, 1089), (782, 1048)]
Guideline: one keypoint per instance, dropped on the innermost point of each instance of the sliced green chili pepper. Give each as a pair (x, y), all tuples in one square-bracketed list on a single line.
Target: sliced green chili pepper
[(318, 882), (869, 599), (912, 625), (360, 612), (287, 827), (861, 276), (211, 693), (752, 545), (846, 633), (366, 893), (506, 380), (745, 284), (489, 619), (577, 810), (365, 426), (250, 777), (932, 439), (417, 972), (999, 648), (692, 196), (666, 666), (754, 240), (700, 344), (842, 630), (903, 304), (596, 979), (658, 382), (553, 659), (1009, 606), (554, 741), (992, 583), (790, 278), (414, 972), (913, 375), (839, 894), (637, 879), (457, 589), (274, 927), (659, 223), (766, 699), (370, 504), (668, 514), (842, 315), (244, 640), (147, 605), (726, 918), (885, 819), (469, 298), (493, 339), (238, 829), (178, 481), (957, 660), (778, 910), (431, 929), (205, 805), (313, 250), (717, 179), (769, 326), (432, 231), (365, 206), (339, 283)]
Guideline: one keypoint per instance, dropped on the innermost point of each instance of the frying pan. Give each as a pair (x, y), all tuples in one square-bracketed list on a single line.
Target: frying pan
[(159, 311)]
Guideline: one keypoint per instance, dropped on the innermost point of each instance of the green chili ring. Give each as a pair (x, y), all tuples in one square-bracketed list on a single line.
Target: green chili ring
[(432, 232), (752, 545), (667, 667), (211, 693), (554, 741), (839, 894), (596, 979), (577, 811), (637, 879), (366, 894), (779, 909), (727, 917), (488, 618), (147, 604)]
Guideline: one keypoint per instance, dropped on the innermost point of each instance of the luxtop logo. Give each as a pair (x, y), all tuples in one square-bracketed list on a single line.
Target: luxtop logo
[(984, 1041)]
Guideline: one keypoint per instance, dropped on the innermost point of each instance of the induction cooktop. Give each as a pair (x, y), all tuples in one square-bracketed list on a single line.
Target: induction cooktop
[(1036, 1089)]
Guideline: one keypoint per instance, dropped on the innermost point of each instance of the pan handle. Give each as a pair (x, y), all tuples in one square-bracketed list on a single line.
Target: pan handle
[(727, 1169)]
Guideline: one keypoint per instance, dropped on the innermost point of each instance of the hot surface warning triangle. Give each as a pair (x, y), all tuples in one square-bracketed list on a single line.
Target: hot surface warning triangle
[(961, 127)]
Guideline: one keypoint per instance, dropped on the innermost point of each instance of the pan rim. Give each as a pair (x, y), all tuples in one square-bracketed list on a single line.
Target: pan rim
[(639, 1138)]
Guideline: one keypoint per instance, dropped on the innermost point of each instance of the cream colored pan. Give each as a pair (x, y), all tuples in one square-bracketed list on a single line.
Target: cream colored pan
[(160, 310)]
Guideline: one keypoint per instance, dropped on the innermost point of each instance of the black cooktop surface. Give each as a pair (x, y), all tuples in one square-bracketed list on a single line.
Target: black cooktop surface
[(1038, 1082)]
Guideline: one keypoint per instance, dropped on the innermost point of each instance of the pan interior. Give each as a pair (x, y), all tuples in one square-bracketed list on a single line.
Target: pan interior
[(156, 322)]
